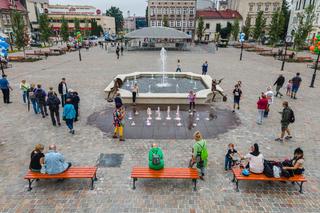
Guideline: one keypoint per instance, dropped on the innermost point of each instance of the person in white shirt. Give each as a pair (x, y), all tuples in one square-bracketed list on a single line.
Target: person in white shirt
[(255, 160), (270, 95), (179, 67)]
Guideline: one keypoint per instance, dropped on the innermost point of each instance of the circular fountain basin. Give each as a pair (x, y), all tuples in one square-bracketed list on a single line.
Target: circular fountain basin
[(165, 87)]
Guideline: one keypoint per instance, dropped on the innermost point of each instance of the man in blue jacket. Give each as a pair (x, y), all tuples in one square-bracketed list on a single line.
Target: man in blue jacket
[(5, 88), (54, 161)]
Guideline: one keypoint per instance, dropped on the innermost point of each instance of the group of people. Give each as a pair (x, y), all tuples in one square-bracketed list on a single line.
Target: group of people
[(119, 49)]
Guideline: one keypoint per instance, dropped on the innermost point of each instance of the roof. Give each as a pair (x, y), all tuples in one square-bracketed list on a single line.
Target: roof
[(158, 32), (6, 5), (219, 14)]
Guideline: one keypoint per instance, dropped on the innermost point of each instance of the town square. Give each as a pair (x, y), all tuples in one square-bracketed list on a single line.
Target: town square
[(159, 119)]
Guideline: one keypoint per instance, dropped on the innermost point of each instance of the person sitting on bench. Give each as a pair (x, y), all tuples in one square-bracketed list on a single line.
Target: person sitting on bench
[(255, 159), (37, 158), (156, 161), (295, 166), (54, 161)]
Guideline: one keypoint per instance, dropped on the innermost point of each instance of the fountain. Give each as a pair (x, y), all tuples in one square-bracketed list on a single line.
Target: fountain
[(152, 76), (177, 88), (130, 116), (174, 76), (133, 123), (128, 83), (149, 113), (191, 80), (163, 57), (168, 114), (195, 85), (149, 90), (135, 79), (198, 117), (158, 118), (177, 118)]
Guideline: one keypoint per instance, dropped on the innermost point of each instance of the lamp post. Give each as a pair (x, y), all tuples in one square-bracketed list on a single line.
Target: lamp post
[(242, 36), (315, 48), (315, 71), (288, 39)]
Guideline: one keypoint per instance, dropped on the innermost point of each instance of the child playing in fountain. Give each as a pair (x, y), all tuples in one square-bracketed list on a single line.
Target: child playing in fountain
[(230, 158), (192, 101)]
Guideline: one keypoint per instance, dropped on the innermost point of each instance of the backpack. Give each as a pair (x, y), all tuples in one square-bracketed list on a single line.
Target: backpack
[(39, 94), (155, 159), (291, 116), (268, 169), (203, 155)]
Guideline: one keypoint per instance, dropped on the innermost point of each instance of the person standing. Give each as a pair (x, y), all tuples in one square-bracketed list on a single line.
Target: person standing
[(118, 122), (279, 84), (179, 67), (69, 114), (63, 90), (262, 105), (269, 95), (192, 101), (205, 68), (296, 81), (5, 88), (33, 99), (118, 101), (41, 95), (75, 101), (156, 161), (118, 52), (53, 103), (286, 118), (237, 93), (135, 91), (199, 154), (121, 49), (25, 89)]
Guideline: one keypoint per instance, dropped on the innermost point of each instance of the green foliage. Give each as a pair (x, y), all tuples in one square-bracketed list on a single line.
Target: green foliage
[(286, 16), (165, 21), (76, 25), (19, 30), (147, 14), (44, 28), (246, 29), (277, 26), (200, 28), (86, 32), (259, 26), (218, 28), (64, 31), (305, 26), (235, 29), (117, 14), (95, 28)]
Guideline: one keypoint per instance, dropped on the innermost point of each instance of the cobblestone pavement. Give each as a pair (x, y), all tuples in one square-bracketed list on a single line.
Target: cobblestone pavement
[(21, 130)]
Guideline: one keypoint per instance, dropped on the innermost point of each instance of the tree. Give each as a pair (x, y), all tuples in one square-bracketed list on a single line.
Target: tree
[(95, 28), (165, 21), (246, 29), (277, 26), (200, 28), (117, 14), (259, 26), (64, 31), (76, 25), (286, 16), (86, 31), (19, 30), (235, 29), (44, 28), (147, 15), (218, 28), (305, 26)]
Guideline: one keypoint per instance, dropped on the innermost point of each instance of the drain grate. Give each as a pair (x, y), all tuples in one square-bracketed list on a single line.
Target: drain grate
[(110, 160)]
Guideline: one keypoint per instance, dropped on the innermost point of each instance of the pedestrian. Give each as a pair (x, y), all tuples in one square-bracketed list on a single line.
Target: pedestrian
[(53, 103), (214, 89), (286, 118), (54, 161), (135, 92), (199, 154), (156, 161), (289, 88), (75, 101), (192, 101), (118, 122), (63, 90), (117, 52), (229, 159), (41, 95), (296, 81), (33, 99), (205, 68), (179, 67), (121, 49), (279, 83), (237, 93), (25, 89), (5, 88), (37, 158), (69, 114), (239, 83), (118, 101), (269, 95), (262, 105)]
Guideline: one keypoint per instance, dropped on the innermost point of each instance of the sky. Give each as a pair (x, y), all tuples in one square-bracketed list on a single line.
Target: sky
[(137, 7)]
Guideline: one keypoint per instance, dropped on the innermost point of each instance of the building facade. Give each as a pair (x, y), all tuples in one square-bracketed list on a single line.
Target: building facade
[(180, 14), (6, 8), (250, 8), (81, 12), (298, 7), (35, 8), (212, 18)]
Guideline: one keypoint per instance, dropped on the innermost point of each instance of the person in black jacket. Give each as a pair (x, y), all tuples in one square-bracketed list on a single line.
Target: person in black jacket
[(75, 102), (53, 102), (41, 95), (63, 90), (279, 83)]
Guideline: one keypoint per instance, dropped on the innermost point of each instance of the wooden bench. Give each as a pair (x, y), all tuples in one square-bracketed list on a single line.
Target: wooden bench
[(72, 172), (166, 173), (237, 176)]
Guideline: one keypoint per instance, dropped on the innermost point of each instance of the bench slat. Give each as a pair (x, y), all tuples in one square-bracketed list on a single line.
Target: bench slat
[(73, 172), (174, 173)]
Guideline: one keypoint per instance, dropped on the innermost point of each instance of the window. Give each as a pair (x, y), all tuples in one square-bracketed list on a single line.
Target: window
[(207, 26), (267, 5), (171, 24), (250, 7), (152, 12), (159, 11), (153, 23), (191, 11), (178, 11), (259, 7), (165, 11), (172, 11), (185, 10), (159, 23), (178, 24), (191, 25), (184, 23)]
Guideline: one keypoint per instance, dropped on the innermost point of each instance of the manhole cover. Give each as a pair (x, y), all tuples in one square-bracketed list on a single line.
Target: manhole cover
[(110, 160)]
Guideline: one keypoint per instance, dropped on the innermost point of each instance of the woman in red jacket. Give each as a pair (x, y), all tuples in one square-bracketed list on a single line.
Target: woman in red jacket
[(262, 105)]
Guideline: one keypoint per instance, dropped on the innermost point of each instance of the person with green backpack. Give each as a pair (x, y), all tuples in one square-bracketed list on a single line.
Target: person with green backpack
[(199, 154), (156, 161)]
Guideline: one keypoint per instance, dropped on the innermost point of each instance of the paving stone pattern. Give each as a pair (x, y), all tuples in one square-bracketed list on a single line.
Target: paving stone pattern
[(21, 130)]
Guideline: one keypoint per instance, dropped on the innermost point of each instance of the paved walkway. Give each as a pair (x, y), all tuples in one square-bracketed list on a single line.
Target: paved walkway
[(21, 130)]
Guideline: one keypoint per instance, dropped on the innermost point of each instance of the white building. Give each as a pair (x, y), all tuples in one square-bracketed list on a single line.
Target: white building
[(35, 8), (298, 7)]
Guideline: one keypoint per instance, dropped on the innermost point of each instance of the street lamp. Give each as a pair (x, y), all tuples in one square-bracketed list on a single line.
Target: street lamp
[(242, 36), (288, 39), (315, 49)]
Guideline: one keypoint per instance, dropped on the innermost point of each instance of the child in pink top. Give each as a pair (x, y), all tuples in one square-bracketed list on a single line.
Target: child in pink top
[(289, 87), (192, 101)]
